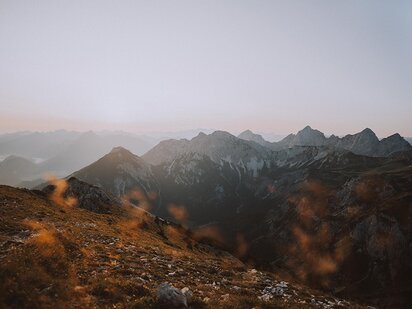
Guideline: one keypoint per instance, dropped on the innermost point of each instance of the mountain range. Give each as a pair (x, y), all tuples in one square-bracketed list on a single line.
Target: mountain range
[(63, 152), (332, 213), (363, 143)]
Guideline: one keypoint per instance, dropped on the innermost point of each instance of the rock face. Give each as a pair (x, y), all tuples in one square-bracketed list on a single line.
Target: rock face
[(167, 296)]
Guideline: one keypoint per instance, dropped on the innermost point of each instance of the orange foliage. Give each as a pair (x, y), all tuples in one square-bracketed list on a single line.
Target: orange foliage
[(60, 187), (179, 213), (314, 238)]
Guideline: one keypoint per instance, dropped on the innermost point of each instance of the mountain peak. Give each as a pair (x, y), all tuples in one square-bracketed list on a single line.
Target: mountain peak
[(308, 137), (201, 134), (307, 128), (248, 135), (222, 134), (246, 132), (395, 136), (119, 149), (367, 131)]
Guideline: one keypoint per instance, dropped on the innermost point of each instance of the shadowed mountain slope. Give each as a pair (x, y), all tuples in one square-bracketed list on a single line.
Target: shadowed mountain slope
[(57, 255)]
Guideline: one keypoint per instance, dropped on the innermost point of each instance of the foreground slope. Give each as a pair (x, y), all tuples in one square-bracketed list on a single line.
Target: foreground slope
[(57, 252)]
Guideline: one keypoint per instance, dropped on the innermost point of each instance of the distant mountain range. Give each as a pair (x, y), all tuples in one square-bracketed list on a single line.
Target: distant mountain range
[(62, 152), (363, 143), (58, 153)]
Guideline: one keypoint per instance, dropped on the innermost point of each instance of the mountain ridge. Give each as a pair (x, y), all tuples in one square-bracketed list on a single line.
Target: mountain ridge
[(363, 143)]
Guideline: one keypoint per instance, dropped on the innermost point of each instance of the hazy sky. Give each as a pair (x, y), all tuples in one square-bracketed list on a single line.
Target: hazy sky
[(272, 66)]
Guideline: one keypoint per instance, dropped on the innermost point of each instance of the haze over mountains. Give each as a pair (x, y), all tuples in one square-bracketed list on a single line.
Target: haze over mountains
[(63, 152)]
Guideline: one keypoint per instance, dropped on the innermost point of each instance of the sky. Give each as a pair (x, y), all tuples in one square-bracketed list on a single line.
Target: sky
[(269, 66)]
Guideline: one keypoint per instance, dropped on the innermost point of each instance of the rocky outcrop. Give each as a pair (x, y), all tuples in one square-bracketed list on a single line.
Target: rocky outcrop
[(84, 196)]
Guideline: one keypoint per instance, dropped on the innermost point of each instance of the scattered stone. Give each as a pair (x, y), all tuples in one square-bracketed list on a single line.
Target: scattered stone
[(278, 291), (168, 296), (282, 284), (188, 293), (225, 297), (265, 297)]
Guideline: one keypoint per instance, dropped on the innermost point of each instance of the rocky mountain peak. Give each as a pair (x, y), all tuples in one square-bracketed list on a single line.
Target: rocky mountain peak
[(392, 144), (222, 135), (121, 150), (369, 133), (248, 135), (309, 137), (119, 172), (201, 134), (307, 128), (395, 136)]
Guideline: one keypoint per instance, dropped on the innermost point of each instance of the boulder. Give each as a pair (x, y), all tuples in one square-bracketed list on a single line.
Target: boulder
[(168, 296)]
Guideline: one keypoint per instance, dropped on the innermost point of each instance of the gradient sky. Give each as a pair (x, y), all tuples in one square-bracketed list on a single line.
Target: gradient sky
[(271, 66)]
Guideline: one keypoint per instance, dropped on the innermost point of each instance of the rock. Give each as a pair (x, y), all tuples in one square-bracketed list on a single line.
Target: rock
[(168, 296), (282, 284), (188, 293), (278, 291), (265, 297), (225, 297)]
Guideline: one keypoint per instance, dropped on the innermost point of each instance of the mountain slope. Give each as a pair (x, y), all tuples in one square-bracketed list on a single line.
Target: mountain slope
[(392, 144), (14, 170), (120, 172), (63, 256)]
